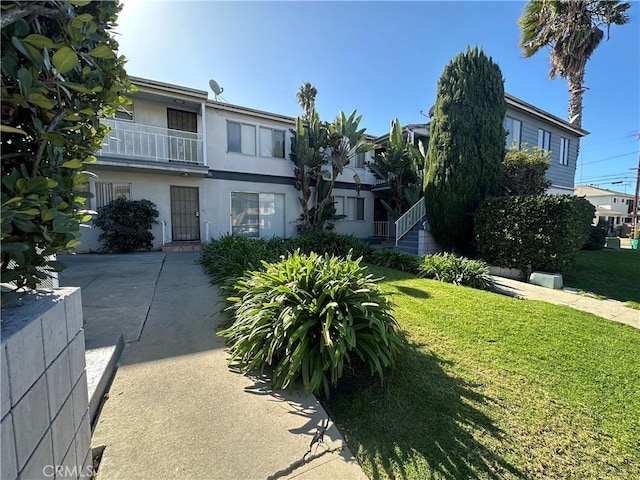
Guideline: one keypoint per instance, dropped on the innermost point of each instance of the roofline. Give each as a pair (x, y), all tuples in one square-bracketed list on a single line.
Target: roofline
[(169, 88), (604, 190), (527, 107), (250, 111)]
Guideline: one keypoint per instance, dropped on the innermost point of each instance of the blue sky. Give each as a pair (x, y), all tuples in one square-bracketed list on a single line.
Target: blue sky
[(382, 59)]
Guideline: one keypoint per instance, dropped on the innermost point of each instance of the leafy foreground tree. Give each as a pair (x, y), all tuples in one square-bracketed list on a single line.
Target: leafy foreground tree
[(466, 147), (59, 73), (572, 29), (400, 165), (320, 151), (306, 98)]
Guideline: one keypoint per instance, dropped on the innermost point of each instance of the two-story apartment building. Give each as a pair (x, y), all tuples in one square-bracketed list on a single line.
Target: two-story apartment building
[(213, 168), (616, 208)]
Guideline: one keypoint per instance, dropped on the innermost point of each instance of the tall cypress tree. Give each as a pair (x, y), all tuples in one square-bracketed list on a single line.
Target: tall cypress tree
[(466, 147)]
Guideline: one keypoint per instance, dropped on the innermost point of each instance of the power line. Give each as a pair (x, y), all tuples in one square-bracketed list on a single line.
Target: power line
[(609, 158)]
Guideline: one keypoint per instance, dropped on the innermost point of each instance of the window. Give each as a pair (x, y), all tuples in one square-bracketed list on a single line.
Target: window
[(257, 214), (564, 151), (106, 192), (271, 143), (125, 113), (513, 128), (544, 139), (615, 199), (352, 207), (241, 138), (181, 120), (359, 160)]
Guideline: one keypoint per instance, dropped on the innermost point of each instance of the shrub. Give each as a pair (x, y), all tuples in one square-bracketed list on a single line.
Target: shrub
[(340, 245), (126, 225), (387, 257), (60, 73), (597, 236), (450, 268), (306, 316), (533, 232), (227, 258), (525, 171)]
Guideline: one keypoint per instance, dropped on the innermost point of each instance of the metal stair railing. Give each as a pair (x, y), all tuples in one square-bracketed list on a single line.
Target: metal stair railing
[(407, 221)]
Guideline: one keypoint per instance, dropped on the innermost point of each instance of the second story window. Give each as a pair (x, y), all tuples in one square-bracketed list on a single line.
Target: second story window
[(359, 160), (513, 128), (544, 139), (564, 151), (182, 120), (125, 113), (271, 143), (241, 138)]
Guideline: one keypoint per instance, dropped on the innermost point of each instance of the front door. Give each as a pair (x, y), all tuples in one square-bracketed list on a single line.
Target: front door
[(185, 214)]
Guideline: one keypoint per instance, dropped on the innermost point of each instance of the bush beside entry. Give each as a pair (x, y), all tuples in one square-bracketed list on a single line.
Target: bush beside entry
[(308, 316), (126, 225)]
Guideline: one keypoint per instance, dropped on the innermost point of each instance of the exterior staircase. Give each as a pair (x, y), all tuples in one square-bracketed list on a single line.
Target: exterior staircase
[(408, 227), (182, 247)]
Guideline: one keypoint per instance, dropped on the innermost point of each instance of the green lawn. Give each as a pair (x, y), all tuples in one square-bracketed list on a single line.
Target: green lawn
[(612, 272), (494, 387)]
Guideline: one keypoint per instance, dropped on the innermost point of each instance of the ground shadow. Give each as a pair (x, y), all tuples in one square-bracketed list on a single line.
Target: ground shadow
[(413, 292), (419, 416)]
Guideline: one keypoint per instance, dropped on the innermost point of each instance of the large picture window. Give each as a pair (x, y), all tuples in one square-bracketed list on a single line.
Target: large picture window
[(257, 214), (352, 207), (241, 138), (271, 143)]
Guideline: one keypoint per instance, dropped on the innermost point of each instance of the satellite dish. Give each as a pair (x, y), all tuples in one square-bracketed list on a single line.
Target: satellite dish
[(431, 111), (217, 89)]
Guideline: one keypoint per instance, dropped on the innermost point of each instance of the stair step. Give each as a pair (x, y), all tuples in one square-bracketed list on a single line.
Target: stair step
[(101, 361), (182, 247)]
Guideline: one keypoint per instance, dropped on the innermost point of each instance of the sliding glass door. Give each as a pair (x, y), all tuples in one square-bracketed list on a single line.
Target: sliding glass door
[(257, 214)]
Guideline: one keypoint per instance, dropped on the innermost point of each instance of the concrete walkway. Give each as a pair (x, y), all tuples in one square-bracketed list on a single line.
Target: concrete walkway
[(175, 410), (609, 309)]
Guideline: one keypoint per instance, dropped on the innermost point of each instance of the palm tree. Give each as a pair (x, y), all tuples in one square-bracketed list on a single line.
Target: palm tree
[(306, 98), (572, 30)]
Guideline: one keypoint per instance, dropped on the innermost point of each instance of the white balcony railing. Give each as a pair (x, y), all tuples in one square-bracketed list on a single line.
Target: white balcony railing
[(381, 229), (409, 219), (133, 140)]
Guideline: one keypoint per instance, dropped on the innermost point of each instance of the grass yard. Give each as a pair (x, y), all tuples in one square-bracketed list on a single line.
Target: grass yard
[(612, 272), (493, 387)]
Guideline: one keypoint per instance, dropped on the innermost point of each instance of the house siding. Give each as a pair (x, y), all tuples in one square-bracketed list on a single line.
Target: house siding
[(559, 175)]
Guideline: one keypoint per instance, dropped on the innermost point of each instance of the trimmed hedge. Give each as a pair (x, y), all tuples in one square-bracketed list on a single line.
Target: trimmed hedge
[(126, 225), (533, 232), (597, 236)]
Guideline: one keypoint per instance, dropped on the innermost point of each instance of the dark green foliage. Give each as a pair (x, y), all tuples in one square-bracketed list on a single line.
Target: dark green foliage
[(126, 225), (387, 257), (597, 236), (340, 245), (466, 147), (308, 316), (451, 268), (533, 232), (525, 170), (400, 165), (227, 258), (59, 73)]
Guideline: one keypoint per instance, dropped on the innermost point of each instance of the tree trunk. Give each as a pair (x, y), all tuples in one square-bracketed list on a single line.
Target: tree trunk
[(576, 89)]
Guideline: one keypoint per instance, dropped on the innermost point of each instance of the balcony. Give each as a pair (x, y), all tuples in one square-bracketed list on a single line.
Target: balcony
[(134, 146)]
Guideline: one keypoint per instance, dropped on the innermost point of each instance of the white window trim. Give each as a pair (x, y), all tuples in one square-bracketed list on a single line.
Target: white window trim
[(565, 145), (254, 192), (542, 133), (114, 185), (255, 143), (127, 109), (284, 140), (345, 199)]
